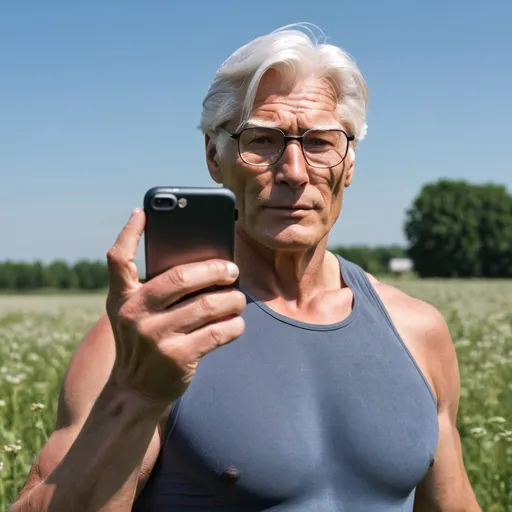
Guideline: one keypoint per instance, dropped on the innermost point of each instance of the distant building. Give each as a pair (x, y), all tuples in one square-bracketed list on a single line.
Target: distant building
[(400, 265)]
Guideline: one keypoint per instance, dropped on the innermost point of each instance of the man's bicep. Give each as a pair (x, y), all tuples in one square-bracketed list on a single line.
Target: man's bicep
[(87, 373), (50, 456), (59, 443), (446, 486)]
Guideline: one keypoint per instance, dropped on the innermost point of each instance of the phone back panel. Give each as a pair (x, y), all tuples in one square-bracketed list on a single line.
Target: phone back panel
[(200, 227)]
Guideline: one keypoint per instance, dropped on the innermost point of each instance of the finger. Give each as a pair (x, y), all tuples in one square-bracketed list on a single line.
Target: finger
[(123, 274), (215, 335), (198, 311), (170, 286)]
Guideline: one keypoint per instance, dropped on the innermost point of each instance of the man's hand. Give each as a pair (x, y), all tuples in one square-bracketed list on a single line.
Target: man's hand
[(158, 342)]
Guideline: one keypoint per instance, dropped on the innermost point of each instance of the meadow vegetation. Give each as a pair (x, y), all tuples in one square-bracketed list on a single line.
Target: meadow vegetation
[(39, 333)]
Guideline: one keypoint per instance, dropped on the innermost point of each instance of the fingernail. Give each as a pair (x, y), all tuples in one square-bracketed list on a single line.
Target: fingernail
[(232, 270), (134, 212)]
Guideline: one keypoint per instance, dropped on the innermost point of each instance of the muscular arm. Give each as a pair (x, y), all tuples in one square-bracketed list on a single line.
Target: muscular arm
[(85, 464), (446, 487)]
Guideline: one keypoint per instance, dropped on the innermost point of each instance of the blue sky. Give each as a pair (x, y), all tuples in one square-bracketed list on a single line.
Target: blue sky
[(101, 100)]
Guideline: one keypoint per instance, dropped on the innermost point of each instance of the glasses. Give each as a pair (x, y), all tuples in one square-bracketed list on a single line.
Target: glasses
[(265, 146)]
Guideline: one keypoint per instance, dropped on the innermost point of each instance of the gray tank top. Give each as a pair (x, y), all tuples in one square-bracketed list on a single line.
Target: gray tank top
[(300, 417)]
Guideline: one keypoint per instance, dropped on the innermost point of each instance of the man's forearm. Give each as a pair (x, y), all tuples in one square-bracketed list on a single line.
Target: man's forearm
[(101, 469)]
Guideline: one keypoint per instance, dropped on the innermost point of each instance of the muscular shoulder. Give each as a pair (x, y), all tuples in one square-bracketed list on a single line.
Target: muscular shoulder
[(420, 316), (425, 332)]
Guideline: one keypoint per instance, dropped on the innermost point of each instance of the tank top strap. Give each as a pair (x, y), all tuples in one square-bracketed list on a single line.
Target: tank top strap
[(355, 278), (364, 292)]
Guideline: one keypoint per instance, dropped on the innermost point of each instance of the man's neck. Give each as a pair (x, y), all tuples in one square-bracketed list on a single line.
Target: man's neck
[(292, 276)]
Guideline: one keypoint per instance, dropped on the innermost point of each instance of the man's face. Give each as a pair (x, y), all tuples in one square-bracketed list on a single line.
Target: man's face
[(289, 205)]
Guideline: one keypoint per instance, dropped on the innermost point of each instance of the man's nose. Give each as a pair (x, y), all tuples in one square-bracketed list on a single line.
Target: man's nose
[(292, 166)]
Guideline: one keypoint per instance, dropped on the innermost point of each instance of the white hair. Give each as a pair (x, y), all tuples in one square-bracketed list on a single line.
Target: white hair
[(296, 55)]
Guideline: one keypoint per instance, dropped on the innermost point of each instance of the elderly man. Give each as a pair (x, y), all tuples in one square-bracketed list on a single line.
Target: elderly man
[(311, 387)]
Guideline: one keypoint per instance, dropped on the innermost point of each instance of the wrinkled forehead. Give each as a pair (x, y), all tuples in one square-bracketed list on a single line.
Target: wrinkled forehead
[(277, 82), (308, 102)]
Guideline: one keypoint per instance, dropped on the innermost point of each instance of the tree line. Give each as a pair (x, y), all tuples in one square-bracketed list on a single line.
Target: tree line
[(93, 275), (57, 275), (453, 228), (374, 260)]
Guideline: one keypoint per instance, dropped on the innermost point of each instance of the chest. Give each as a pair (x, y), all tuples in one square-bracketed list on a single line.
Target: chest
[(281, 412)]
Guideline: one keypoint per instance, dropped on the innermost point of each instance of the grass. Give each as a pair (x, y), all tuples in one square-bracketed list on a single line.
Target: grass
[(39, 333)]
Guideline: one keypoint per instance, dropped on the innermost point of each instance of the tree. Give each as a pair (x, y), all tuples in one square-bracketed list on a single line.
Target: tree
[(7, 275), (456, 229), (495, 230), (59, 275), (91, 275)]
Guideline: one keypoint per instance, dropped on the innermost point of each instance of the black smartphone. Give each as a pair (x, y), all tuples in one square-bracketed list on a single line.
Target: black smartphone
[(187, 225)]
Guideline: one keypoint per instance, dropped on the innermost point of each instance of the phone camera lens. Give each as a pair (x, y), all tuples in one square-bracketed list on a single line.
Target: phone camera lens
[(164, 202)]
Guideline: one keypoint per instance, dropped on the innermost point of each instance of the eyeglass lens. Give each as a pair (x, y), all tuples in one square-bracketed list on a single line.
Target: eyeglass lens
[(264, 146)]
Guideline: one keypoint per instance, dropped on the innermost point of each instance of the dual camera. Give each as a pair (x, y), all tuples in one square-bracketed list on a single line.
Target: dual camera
[(167, 202)]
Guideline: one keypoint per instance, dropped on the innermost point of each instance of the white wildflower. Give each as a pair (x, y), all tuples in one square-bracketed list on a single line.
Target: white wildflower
[(496, 420), (478, 432), (13, 448), (14, 379), (506, 435)]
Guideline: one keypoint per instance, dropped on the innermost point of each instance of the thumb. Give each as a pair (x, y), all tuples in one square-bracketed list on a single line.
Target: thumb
[(123, 274)]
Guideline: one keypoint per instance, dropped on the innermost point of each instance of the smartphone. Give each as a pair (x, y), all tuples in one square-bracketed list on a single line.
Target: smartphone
[(187, 225)]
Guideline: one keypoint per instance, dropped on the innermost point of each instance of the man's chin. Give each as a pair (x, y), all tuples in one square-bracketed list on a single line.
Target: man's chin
[(288, 238)]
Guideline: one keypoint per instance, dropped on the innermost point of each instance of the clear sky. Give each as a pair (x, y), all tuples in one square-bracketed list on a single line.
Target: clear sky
[(100, 100)]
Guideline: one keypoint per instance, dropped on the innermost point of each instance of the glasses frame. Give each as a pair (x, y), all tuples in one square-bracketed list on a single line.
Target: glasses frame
[(287, 139)]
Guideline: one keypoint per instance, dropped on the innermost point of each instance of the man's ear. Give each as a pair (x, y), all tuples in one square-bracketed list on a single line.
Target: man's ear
[(212, 159), (349, 167)]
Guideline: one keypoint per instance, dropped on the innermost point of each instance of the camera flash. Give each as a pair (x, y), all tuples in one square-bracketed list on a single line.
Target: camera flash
[(182, 202)]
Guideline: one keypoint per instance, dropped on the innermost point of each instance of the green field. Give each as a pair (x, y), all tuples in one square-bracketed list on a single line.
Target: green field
[(39, 333)]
